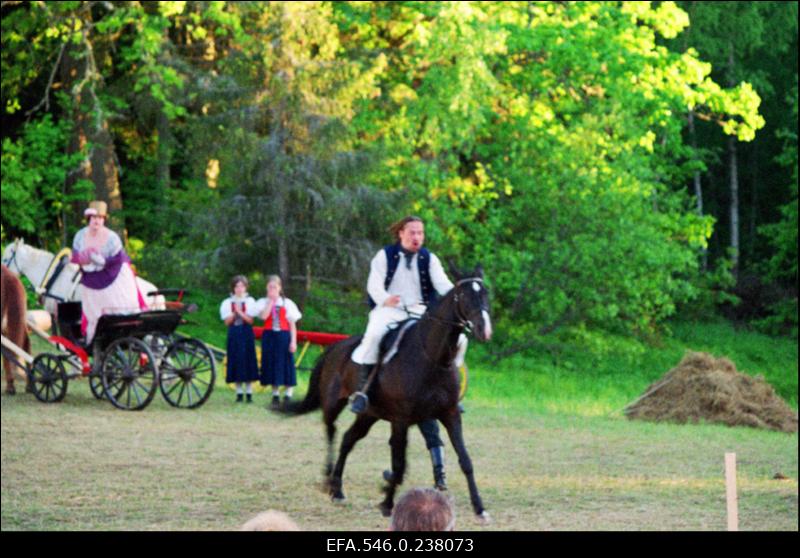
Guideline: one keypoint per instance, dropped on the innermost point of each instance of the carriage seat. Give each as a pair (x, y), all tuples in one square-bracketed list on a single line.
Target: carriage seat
[(69, 321)]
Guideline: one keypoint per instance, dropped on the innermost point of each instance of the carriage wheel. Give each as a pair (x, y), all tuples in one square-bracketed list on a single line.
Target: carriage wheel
[(96, 385), (48, 379), (188, 373), (129, 374), (159, 343)]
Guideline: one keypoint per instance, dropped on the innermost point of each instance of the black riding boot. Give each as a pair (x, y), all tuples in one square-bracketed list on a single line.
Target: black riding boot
[(359, 400), (437, 458)]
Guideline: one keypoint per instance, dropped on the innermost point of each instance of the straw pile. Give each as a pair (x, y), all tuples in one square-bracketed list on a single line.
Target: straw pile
[(709, 389)]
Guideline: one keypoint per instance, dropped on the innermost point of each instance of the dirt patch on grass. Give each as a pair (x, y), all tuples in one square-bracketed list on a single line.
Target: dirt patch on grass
[(710, 389)]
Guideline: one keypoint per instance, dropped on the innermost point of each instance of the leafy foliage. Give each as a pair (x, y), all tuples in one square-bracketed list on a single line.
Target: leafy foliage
[(544, 139), (34, 169)]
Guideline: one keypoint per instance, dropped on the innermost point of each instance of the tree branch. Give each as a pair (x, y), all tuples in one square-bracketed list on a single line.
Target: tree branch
[(46, 100)]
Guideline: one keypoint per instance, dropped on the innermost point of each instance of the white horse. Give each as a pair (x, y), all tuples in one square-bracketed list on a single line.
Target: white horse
[(58, 283)]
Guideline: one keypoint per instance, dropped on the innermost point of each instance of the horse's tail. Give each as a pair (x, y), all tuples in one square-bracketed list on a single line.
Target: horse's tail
[(312, 401)]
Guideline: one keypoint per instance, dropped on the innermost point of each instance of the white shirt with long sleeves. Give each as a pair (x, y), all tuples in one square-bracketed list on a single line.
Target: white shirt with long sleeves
[(292, 311), (250, 306), (405, 282)]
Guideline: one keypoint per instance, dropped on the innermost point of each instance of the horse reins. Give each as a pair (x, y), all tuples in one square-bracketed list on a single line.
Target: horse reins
[(43, 290), (51, 274), (13, 256), (462, 321), (467, 324)]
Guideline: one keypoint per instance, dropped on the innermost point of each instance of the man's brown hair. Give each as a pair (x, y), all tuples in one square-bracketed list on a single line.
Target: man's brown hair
[(423, 509), (400, 225)]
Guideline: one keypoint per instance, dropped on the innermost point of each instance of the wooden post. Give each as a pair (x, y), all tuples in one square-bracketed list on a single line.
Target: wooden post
[(730, 492)]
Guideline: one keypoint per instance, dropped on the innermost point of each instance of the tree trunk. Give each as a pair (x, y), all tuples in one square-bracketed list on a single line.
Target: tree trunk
[(91, 128), (734, 178), (283, 249), (165, 143), (698, 186), (734, 206), (752, 233)]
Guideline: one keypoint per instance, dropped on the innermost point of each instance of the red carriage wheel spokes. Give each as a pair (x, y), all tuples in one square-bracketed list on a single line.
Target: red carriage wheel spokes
[(48, 378), (188, 374), (129, 373)]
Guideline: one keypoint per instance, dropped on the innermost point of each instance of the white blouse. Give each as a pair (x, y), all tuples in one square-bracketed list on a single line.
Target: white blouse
[(250, 306), (292, 312)]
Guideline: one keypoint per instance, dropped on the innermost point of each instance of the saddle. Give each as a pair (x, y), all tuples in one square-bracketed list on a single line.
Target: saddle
[(391, 341)]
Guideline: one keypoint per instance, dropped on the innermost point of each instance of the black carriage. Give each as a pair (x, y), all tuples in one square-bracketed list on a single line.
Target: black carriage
[(132, 356)]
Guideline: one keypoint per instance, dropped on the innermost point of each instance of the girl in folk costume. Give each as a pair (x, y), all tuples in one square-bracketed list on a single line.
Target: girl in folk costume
[(279, 340), (108, 284), (238, 312)]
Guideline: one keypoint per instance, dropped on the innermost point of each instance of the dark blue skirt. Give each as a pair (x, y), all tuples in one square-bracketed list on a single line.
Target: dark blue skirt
[(277, 363), (242, 362)]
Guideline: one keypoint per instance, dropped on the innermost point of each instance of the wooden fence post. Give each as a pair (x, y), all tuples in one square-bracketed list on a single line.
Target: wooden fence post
[(730, 492)]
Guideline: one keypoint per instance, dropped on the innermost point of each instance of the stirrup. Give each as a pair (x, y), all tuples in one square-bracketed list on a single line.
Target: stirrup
[(359, 402)]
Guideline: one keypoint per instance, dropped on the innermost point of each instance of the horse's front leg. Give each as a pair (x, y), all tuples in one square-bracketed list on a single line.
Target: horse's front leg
[(329, 416), (452, 422), (398, 442), (359, 429)]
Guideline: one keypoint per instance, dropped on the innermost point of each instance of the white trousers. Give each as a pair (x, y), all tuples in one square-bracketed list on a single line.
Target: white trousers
[(380, 318)]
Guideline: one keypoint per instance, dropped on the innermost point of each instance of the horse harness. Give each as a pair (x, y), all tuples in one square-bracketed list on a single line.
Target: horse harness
[(50, 276), (13, 255), (60, 260), (462, 323)]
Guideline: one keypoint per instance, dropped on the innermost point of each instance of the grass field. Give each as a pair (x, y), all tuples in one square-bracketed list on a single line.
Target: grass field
[(551, 449)]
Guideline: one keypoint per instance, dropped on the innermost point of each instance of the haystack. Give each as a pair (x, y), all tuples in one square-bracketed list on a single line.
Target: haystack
[(709, 389)]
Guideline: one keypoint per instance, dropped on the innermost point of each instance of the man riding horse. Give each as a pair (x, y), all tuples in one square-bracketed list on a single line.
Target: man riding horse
[(395, 292)]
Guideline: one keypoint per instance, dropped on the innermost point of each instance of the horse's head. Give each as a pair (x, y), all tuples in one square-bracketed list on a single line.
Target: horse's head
[(471, 300), (11, 256)]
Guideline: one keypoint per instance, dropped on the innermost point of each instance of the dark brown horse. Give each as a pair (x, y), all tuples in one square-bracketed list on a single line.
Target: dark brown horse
[(14, 310), (420, 382)]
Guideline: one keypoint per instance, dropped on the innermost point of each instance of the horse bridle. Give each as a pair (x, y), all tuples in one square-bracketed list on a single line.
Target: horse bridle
[(462, 321), (13, 256)]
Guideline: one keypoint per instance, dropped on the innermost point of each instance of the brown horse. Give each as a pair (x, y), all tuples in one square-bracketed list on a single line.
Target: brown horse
[(420, 382), (14, 309)]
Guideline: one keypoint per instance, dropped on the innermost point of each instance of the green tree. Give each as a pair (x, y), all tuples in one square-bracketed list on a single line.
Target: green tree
[(34, 171), (755, 42), (545, 140)]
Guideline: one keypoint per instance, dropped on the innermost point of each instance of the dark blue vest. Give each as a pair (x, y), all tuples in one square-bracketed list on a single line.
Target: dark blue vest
[(393, 256)]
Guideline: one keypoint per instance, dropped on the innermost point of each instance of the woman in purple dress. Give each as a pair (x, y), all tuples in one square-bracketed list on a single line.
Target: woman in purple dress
[(108, 284)]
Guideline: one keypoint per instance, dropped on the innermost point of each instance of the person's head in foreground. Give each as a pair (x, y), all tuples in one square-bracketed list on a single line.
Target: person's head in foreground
[(270, 520), (423, 509)]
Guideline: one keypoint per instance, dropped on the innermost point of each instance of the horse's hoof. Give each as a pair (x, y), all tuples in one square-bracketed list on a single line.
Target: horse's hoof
[(338, 498), (386, 511), (10, 390), (483, 518)]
